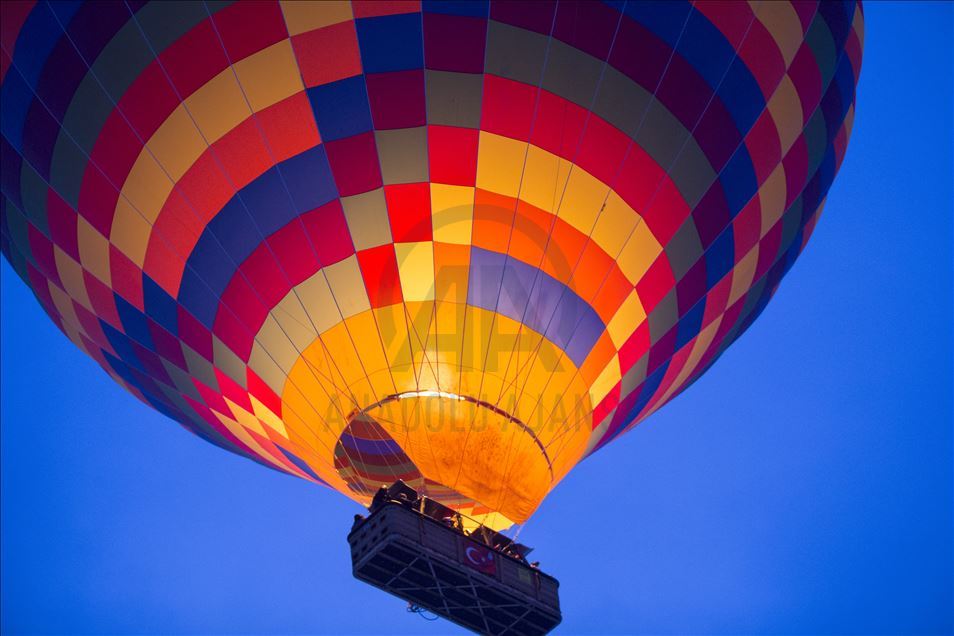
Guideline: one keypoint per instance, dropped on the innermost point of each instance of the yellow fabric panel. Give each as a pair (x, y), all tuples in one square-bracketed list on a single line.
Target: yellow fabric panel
[(772, 199), (615, 223), (527, 345), (583, 199), (452, 213), (272, 354), (626, 320), (63, 304), (470, 348), (265, 415), (75, 334), (742, 275), (783, 24), (367, 343), (71, 275), (540, 385), (367, 218), (786, 109), (270, 75), (93, 250), (492, 340), (858, 24), (513, 379), (491, 388), (306, 16), (176, 145), (243, 417), (415, 263), (449, 325), (606, 380), (315, 295), (130, 232), (393, 327), (500, 163), (218, 106), (639, 252), (322, 381), (339, 342), (347, 286), (568, 424), (451, 272), (849, 121), (567, 450), (339, 367), (544, 178), (310, 411), (423, 326), (147, 187), (242, 433), (598, 357)]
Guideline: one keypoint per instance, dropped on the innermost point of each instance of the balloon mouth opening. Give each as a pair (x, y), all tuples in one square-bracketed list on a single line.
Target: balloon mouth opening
[(465, 452), (480, 404)]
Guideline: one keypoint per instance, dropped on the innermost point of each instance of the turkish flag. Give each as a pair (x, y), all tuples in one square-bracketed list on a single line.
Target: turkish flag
[(479, 557)]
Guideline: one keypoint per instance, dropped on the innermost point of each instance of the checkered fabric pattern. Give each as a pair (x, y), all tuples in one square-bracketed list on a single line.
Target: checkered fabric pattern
[(262, 217)]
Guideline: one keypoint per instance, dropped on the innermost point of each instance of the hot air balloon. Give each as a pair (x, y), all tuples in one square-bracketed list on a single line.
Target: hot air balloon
[(459, 244)]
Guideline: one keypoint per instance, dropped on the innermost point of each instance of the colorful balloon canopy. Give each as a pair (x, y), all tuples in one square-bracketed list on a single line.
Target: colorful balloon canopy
[(465, 244)]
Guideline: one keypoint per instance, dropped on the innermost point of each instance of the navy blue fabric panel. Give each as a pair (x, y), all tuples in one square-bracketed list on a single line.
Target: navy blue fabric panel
[(309, 179), (122, 345), (10, 165), (720, 257), (649, 387), (690, 324), (268, 206), (159, 305), (838, 16), (472, 8), (135, 323), (235, 229), (341, 108), (739, 183), (38, 36), (15, 99), (40, 139), (207, 273), (741, 95), (665, 18), (390, 43), (706, 49), (121, 369)]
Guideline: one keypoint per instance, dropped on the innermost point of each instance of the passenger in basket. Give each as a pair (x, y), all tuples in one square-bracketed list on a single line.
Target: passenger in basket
[(380, 498)]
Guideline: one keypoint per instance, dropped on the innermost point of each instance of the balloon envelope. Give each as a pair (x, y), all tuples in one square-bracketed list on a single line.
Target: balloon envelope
[(465, 244)]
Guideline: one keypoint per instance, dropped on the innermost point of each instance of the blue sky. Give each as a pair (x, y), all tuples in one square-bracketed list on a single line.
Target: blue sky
[(804, 485)]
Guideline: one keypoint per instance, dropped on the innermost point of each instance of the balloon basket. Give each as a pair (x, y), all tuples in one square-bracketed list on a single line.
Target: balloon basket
[(419, 550)]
